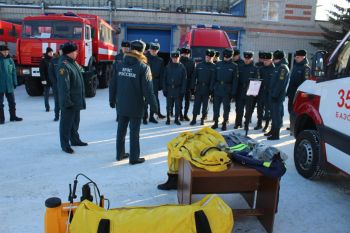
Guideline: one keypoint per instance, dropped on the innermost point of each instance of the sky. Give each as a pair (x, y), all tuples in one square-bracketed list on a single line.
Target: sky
[(324, 5)]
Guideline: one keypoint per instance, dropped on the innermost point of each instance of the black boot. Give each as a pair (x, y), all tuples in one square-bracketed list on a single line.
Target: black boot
[(181, 116), (216, 124), (124, 156), (267, 122), (177, 120), (275, 135), (202, 120), (224, 126), (2, 116), (137, 161), (167, 119), (171, 183), (193, 122), (238, 125), (268, 134), (160, 116), (186, 118), (258, 125), (13, 116), (152, 119)]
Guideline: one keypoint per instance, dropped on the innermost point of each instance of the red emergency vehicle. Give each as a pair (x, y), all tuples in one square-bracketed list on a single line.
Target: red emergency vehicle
[(9, 33), (96, 45), (203, 37)]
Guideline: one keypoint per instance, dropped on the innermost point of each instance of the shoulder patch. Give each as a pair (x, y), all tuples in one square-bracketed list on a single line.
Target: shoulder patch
[(62, 71)]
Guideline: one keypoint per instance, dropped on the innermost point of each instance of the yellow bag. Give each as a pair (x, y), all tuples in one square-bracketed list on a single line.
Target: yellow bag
[(199, 148), (90, 218)]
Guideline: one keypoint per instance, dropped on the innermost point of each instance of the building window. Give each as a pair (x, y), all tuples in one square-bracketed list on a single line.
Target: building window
[(271, 10)]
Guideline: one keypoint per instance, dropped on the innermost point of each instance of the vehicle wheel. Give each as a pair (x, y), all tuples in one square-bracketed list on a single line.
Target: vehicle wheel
[(33, 86), (91, 83), (105, 77), (307, 154)]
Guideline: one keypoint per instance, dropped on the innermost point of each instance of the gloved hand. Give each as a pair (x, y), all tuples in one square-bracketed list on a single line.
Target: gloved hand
[(112, 105), (44, 83)]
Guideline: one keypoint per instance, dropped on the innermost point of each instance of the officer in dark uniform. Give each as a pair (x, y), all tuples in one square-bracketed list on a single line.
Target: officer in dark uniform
[(202, 78), (216, 57), (174, 86), (125, 48), (189, 65), (237, 57), (131, 88), (53, 78), (266, 73), (71, 94), (247, 72), (224, 87), (157, 68), (278, 87), (299, 73), (259, 100), (44, 75), (8, 82)]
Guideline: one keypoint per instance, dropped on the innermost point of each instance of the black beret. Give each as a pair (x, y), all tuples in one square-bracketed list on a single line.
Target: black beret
[(154, 46), (248, 54), (138, 45), (261, 54), (125, 44), (185, 50), (227, 53), (217, 54), (267, 55), (278, 54), (147, 46), (210, 53), (175, 54), (48, 49), (69, 47), (236, 52), (4, 48), (301, 52)]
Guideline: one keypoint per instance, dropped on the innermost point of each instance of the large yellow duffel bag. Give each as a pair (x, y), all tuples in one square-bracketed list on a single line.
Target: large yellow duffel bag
[(210, 215)]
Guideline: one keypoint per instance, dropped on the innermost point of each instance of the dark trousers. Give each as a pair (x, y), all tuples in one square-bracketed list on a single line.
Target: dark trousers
[(155, 91), (55, 95), (240, 103), (267, 108), (69, 126), (251, 102), (170, 101), (187, 101), (46, 95), (10, 100), (123, 122), (276, 114), (226, 101), (201, 100)]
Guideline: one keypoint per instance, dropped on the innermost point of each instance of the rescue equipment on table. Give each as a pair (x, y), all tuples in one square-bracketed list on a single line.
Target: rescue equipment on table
[(211, 214), (266, 159), (201, 148)]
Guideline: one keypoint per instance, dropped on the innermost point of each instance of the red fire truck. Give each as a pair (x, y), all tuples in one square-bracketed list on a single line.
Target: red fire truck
[(96, 45), (9, 32)]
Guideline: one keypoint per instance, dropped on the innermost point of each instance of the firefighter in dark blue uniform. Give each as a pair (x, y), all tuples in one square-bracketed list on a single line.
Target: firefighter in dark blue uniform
[(299, 73), (174, 86), (157, 68), (71, 94), (202, 78), (278, 88), (125, 48), (189, 65), (131, 89), (266, 73), (247, 72), (224, 87)]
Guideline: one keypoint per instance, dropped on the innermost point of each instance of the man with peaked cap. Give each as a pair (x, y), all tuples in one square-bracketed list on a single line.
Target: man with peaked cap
[(278, 88), (299, 73), (202, 78), (71, 93), (237, 57), (266, 73), (224, 86), (174, 86), (247, 72), (156, 64), (125, 45), (131, 89), (44, 75), (189, 65), (8, 82)]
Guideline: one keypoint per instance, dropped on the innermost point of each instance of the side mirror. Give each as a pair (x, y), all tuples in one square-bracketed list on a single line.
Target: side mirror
[(318, 65)]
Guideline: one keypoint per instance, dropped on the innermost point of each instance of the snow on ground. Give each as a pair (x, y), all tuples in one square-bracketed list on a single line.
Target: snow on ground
[(33, 168)]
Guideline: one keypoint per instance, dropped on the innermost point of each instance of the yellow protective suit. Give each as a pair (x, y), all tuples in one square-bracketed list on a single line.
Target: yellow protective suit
[(199, 149), (154, 219)]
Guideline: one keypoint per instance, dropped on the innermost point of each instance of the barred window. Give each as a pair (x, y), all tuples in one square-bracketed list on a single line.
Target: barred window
[(271, 10)]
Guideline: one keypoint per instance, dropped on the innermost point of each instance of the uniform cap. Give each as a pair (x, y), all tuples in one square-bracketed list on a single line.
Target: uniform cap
[(227, 53), (210, 53), (48, 49), (154, 46), (69, 47), (267, 55), (175, 54), (301, 52), (248, 54), (147, 46), (217, 54), (261, 54), (125, 44), (278, 54), (4, 48), (236, 52), (185, 51), (138, 45)]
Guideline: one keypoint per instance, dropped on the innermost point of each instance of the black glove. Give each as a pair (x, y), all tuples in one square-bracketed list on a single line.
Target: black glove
[(112, 105)]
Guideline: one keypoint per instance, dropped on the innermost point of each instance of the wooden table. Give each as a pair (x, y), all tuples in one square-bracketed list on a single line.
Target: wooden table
[(260, 192)]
